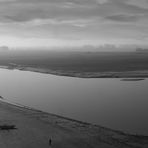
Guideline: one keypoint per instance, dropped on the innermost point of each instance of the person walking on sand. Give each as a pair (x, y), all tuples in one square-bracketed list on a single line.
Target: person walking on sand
[(50, 142)]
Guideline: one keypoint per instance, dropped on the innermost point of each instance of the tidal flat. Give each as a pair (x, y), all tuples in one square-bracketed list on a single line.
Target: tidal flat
[(35, 128)]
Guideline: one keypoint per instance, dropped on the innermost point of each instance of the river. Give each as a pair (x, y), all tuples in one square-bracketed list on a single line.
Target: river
[(121, 105)]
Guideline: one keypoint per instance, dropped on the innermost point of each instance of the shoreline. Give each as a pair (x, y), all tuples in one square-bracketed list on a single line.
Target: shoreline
[(65, 132), (35, 127), (139, 74)]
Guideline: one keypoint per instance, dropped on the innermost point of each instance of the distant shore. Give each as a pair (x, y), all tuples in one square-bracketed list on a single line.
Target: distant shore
[(34, 128), (139, 74), (132, 79)]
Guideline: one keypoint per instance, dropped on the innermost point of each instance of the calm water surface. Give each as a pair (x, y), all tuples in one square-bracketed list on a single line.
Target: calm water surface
[(108, 102)]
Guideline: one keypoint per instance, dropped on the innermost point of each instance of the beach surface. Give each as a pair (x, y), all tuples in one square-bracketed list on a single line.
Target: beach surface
[(36, 129)]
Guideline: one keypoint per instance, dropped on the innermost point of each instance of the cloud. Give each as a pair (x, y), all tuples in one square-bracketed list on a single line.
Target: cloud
[(102, 1), (139, 3), (83, 19), (19, 12), (8, 0), (124, 18), (129, 7), (27, 10), (57, 22)]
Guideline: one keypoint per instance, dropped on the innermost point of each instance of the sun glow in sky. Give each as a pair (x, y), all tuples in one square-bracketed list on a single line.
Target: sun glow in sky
[(31, 23)]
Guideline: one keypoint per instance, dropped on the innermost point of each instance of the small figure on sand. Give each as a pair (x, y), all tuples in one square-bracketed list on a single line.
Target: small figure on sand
[(50, 142)]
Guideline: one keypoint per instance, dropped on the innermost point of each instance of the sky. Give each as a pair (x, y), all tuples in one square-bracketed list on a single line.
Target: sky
[(31, 23)]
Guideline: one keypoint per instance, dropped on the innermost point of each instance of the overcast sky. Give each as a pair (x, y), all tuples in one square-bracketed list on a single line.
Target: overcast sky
[(73, 22)]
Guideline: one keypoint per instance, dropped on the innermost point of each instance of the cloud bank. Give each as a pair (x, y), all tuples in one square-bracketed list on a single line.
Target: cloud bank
[(74, 21)]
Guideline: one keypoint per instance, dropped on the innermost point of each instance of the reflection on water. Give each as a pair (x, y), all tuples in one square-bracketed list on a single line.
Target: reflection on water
[(108, 102)]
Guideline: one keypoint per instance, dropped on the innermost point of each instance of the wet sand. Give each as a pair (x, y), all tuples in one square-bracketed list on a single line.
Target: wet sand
[(34, 128)]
